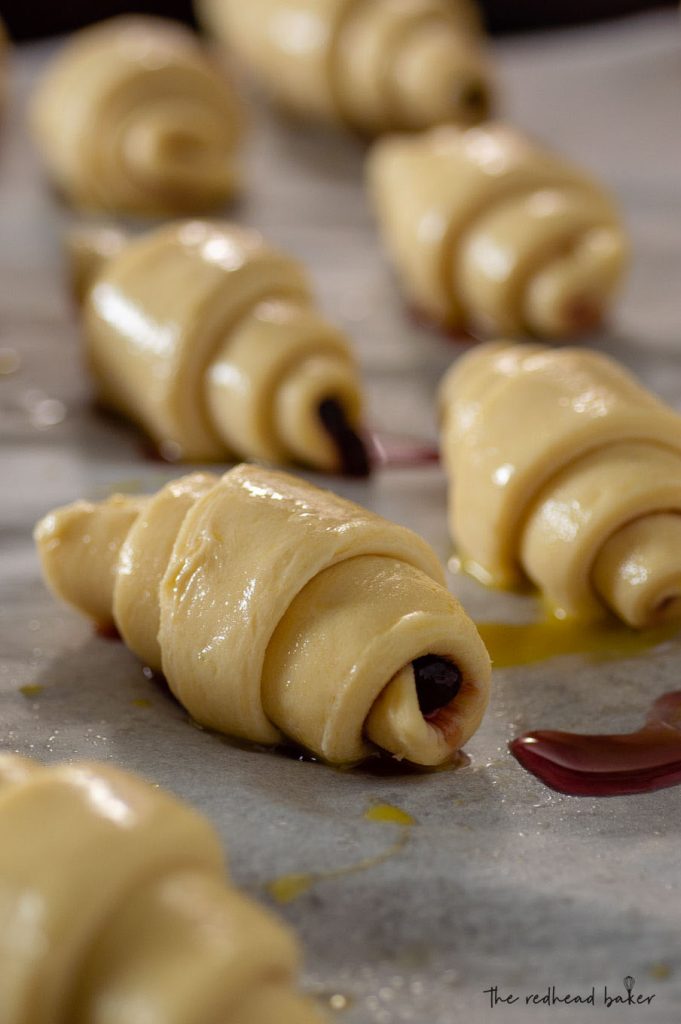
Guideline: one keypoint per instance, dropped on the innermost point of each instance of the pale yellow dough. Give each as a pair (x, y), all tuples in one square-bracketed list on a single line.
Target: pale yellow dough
[(275, 609), (208, 338), (489, 231), (375, 65), (565, 470), (116, 908), (133, 117)]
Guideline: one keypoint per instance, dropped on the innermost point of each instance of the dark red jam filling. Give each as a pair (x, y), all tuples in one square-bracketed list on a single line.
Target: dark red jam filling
[(352, 451), (107, 631), (438, 682), (474, 100)]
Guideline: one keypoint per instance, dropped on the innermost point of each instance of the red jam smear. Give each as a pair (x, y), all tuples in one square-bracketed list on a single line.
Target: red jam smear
[(107, 631), (457, 335), (393, 450), (609, 765)]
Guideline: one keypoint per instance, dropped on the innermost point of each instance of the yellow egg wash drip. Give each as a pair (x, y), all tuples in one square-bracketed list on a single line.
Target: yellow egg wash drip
[(512, 645), (31, 690), (290, 887), (389, 813), (287, 888)]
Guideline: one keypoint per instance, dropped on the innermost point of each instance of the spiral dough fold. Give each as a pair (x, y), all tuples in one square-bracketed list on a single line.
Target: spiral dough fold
[(374, 65), (565, 470), (208, 338), (277, 610), (115, 908), (133, 117), (489, 231)]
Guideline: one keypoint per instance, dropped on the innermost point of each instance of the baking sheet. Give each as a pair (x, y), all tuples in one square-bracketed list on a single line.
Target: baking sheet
[(500, 881)]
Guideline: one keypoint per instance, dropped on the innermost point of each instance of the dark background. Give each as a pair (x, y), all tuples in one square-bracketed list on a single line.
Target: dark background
[(30, 18)]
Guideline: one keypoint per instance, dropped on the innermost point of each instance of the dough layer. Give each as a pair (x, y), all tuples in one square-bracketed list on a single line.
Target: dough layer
[(115, 908), (208, 338), (275, 609), (565, 470), (375, 65), (132, 117), (489, 231)]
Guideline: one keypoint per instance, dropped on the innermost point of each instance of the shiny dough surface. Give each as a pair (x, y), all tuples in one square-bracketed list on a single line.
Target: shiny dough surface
[(116, 908), (238, 588), (564, 469), (488, 230), (208, 338)]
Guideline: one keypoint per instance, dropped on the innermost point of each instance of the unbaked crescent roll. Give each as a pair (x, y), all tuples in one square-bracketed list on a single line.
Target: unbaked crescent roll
[(208, 338), (133, 117), (277, 610), (488, 230), (565, 470), (374, 65), (115, 908)]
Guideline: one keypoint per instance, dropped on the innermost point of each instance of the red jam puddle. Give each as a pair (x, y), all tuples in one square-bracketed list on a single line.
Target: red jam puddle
[(608, 765)]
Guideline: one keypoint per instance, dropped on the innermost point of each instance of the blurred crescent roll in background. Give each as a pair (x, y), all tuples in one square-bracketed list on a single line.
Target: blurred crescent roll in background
[(374, 66), (489, 231), (131, 116), (208, 338), (4, 60)]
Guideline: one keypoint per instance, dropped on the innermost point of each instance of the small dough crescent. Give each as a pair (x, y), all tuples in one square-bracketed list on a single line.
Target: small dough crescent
[(116, 908), (374, 65), (490, 231), (565, 470), (132, 117), (277, 610), (209, 339)]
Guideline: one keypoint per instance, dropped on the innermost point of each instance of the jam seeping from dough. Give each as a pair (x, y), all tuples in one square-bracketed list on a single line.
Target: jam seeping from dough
[(474, 101), (608, 765), (395, 450), (107, 631), (353, 454), (438, 682), (584, 315)]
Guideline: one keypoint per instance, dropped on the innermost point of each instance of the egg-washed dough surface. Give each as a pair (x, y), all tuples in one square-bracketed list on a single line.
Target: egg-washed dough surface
[(115, 896), (501, 882)]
